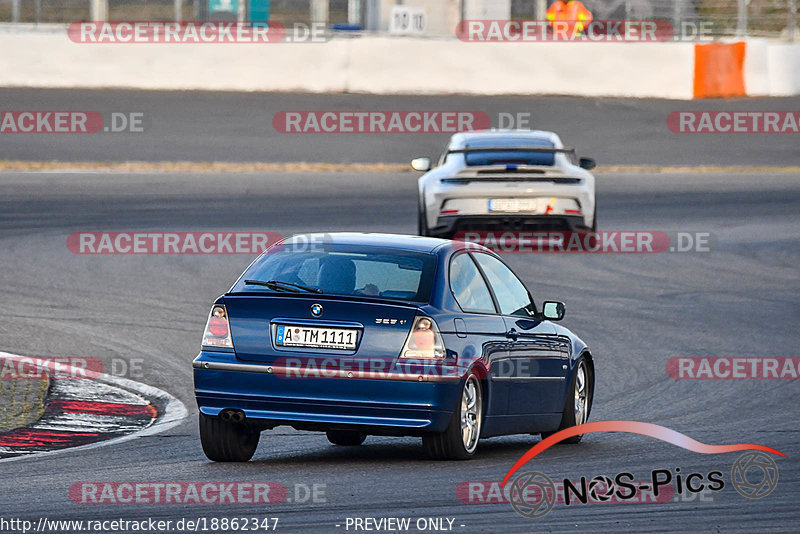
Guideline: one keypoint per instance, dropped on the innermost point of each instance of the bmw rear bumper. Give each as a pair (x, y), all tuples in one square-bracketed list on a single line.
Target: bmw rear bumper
[(391, 403)]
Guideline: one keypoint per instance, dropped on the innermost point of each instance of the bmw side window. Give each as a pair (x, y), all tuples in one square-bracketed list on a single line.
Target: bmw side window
[(512, 296), (468, 287)]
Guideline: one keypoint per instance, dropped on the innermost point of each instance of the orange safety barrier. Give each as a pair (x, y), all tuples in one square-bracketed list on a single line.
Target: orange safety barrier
[(719, 70)]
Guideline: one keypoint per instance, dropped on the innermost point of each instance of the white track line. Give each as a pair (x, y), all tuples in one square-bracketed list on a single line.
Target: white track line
[(83, 389), (172, 414)]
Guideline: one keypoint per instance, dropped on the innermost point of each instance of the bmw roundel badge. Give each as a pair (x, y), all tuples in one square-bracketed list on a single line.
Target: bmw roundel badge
[(316, 310)]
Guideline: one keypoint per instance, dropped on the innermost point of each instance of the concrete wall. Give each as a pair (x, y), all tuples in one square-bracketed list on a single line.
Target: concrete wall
[(385, 65), (772, 68), (783, 62), (756, 68), (50, 59)]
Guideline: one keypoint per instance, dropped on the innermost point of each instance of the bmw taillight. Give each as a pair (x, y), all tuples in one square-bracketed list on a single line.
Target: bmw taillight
[(424, 342), (218, 332)]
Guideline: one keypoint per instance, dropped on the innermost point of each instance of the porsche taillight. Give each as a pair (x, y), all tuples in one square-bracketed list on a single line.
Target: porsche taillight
[(218, 332), (424, 342)]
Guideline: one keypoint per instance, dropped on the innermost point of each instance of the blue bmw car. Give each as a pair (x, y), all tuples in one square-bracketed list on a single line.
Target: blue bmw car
[(375, 334)]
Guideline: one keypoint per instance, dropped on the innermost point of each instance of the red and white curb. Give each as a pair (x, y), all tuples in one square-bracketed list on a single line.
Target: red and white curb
[(83, 413)]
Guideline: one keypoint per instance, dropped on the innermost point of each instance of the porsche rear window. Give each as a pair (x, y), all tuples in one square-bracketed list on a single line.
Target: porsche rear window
[(495, 156), (347, 270)]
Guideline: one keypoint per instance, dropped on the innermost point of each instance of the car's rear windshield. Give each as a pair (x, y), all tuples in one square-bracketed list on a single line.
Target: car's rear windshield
[(337, 269), (497, 156)]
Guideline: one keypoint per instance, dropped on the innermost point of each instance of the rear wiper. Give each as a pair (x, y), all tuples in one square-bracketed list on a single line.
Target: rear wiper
[(284, 286)]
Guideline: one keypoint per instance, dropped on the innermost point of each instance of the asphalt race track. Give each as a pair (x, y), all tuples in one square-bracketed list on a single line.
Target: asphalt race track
[(636, 311), (212, 126)]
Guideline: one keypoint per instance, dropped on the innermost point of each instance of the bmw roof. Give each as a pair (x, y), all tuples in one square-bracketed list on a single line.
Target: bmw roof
[(396, 241)]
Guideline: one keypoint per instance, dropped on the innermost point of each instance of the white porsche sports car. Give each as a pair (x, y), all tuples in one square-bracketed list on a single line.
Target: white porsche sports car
[(505, 180)]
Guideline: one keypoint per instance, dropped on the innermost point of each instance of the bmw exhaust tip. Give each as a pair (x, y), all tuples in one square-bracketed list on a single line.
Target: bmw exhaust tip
[(233, 416)]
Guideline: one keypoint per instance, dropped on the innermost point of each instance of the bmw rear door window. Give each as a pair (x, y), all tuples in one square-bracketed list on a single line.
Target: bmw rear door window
[(468, 286), (512, 296)]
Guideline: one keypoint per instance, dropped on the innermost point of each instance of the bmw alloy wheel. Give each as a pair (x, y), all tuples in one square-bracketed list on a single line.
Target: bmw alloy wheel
[(581, 393), (471, 411)]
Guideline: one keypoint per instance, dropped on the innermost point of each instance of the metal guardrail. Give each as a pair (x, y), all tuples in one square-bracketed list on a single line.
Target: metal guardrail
[(759, 18)]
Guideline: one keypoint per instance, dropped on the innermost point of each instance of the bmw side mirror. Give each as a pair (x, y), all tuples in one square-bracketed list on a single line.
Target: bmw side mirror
[(553, 310), (587, 163), (526, 324), (421, 164)]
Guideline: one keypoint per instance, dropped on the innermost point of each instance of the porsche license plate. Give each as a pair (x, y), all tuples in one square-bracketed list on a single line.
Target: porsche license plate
[(513, 205)]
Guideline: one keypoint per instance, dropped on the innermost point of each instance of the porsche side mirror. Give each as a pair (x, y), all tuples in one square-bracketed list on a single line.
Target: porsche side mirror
[(587, 163), (553, 310), (421, 164)]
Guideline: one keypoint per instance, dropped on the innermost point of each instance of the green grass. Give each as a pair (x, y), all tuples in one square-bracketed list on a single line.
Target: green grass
[(21, 401)]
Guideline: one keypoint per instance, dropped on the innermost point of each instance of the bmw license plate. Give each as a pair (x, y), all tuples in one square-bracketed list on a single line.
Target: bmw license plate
[(513, 205), (314, 337)]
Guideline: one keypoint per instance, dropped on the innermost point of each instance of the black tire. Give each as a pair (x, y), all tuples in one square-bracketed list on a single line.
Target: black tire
[(224, 441), (422, 226), (569, 415), (594, 220), (450, 444), (347, 438)]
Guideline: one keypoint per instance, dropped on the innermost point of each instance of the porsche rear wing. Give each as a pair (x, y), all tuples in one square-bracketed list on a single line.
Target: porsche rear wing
[(510, 173), (570, 152), (565, 150)]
